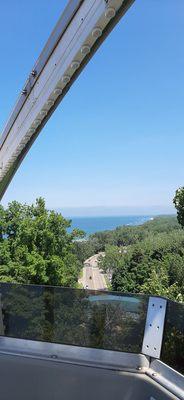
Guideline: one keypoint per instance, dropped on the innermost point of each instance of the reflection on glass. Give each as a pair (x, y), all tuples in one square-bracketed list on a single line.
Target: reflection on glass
[(173, 340), (71, 316)]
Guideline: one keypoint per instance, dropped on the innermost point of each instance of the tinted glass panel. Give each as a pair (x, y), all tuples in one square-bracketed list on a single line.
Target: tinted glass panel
[(70, 316), (173, 341)]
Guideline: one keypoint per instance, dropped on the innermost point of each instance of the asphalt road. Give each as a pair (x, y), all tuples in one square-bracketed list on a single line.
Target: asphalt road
[(93, 277)]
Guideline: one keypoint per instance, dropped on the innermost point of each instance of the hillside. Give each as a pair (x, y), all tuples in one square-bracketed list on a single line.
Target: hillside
[(148, 258)]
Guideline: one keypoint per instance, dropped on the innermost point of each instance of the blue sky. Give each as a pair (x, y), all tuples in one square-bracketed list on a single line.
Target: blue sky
[(117, 138)]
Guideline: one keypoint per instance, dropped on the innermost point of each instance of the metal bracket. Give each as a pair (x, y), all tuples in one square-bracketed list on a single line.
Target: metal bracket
[(154, 327), (166, 376)]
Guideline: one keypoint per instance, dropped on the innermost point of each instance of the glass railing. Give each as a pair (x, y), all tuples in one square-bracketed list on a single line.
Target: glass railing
[(71, 316), (86, 318), (173, 339)]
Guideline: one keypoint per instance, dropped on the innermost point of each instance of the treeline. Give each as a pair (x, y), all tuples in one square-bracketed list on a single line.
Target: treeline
[(155, 266), (125, 236), (35, 246), (148, 258)]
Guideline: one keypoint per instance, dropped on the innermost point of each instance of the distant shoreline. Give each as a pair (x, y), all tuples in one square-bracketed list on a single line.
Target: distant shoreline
[(92, 225), (117, 216)]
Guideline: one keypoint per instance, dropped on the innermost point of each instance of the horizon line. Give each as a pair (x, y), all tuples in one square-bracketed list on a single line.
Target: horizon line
[(121, 215)]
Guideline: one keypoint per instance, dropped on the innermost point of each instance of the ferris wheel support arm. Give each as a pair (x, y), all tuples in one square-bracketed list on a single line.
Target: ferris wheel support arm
[(82, 28)]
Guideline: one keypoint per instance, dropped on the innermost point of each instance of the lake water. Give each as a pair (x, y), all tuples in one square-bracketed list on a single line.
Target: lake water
[(94, 224)]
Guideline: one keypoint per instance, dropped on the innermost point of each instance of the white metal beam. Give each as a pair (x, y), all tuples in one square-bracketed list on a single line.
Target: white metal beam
[(79, 32)]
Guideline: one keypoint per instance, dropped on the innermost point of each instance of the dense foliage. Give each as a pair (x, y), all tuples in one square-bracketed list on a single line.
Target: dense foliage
[(154, 265), (125, 236), (179, 204), (148, 258), (35, 246)]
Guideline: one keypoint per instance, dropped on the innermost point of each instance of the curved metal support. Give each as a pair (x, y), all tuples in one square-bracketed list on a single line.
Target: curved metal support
[(82, 28)]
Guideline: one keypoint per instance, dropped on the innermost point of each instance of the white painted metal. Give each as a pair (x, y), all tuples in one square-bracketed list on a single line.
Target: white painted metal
[(86, 27), (153, 334)]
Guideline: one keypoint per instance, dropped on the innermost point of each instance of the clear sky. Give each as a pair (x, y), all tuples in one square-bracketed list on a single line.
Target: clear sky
[(117, 139)]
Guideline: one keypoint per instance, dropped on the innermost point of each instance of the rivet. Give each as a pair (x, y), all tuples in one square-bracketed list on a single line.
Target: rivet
[(66, 79), (37, 122), (75, 64), (43, 113), (85, 49), (50, 103), (97, 32), (24, 92), (57, 91), (54, 356), (31, 130), (110, 12), (33, 73)]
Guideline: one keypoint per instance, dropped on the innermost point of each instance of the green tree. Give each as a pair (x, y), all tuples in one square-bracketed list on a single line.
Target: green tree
[(36, 247), (154, 265), (179, 204)]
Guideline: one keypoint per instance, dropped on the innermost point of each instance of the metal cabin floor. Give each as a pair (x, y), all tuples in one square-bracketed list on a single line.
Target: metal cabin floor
[(23, 378)]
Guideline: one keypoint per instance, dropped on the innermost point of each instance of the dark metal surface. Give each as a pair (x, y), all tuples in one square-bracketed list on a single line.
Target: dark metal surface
[(23, 378), (113, 360)]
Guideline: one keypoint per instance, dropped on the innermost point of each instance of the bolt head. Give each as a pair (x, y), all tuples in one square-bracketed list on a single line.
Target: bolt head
[(33, 73), (24, 92)]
